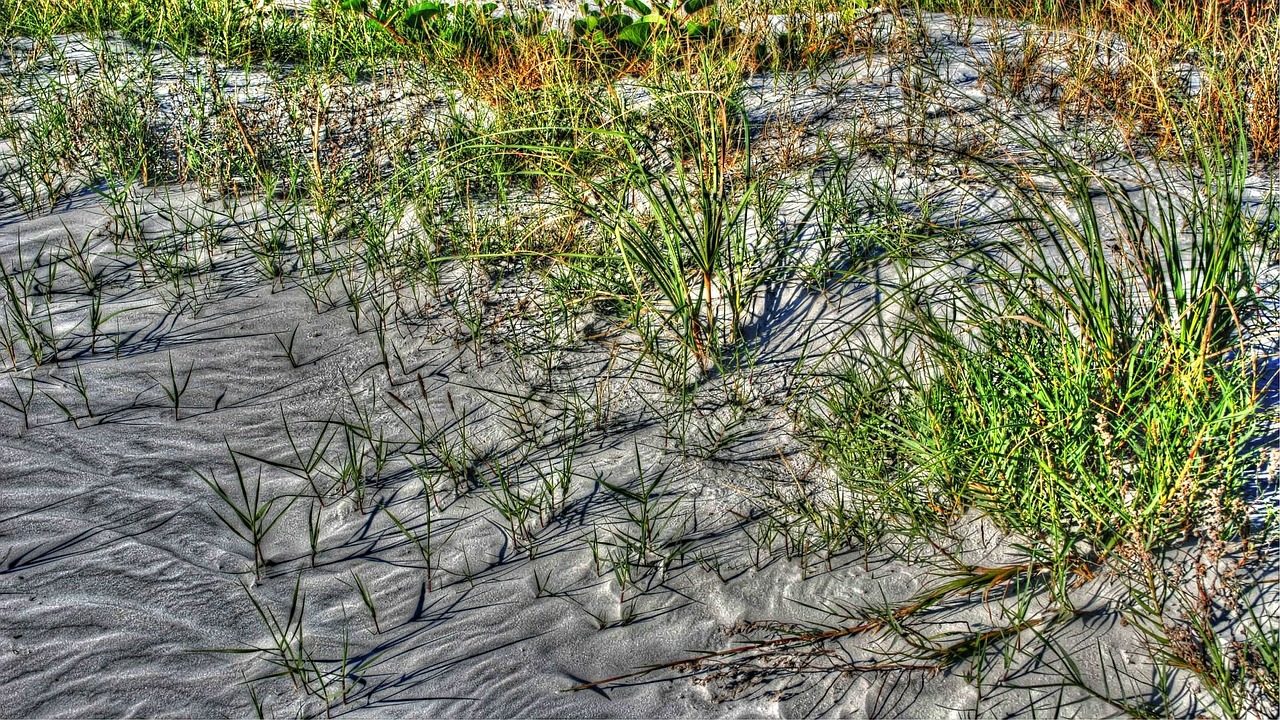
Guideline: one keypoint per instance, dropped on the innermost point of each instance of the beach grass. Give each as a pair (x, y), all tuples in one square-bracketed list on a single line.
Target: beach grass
[(1043, 315)]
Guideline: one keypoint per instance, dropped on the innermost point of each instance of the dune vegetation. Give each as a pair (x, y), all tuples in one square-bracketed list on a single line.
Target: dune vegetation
[(742, 357)]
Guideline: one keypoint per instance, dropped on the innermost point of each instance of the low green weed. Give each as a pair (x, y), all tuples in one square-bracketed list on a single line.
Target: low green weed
[(247, 513)]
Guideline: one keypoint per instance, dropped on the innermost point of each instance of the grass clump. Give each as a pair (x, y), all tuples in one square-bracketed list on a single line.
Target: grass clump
[(1081, 385), (691, 246), (665, 193)]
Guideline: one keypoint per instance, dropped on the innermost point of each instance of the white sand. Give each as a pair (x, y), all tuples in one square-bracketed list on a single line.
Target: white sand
[(122, 585)]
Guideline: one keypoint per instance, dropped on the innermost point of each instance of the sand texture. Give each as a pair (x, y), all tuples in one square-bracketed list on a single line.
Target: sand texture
[(507, 479)]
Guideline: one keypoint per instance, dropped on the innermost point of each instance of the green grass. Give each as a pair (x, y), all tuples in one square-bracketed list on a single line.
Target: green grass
[(1085, 392), (229, 29), (685, 255), (246, 513), (1082, 382), (1073, 370)]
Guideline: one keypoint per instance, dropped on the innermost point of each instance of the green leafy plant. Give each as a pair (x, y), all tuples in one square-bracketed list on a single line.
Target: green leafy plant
[(443, 28), (636, 22)]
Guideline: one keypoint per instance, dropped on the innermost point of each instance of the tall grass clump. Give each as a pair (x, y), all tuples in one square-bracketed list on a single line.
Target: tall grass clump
[(685, 242), (665, 190), (1084, 384)]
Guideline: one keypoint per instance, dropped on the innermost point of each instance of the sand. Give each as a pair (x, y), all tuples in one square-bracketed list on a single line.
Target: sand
[(126, 595)]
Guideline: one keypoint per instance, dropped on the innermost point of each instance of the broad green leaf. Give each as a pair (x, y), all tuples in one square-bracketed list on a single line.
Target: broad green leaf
[(639, 6), (693, 6), (637, 33), (423, 11)]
